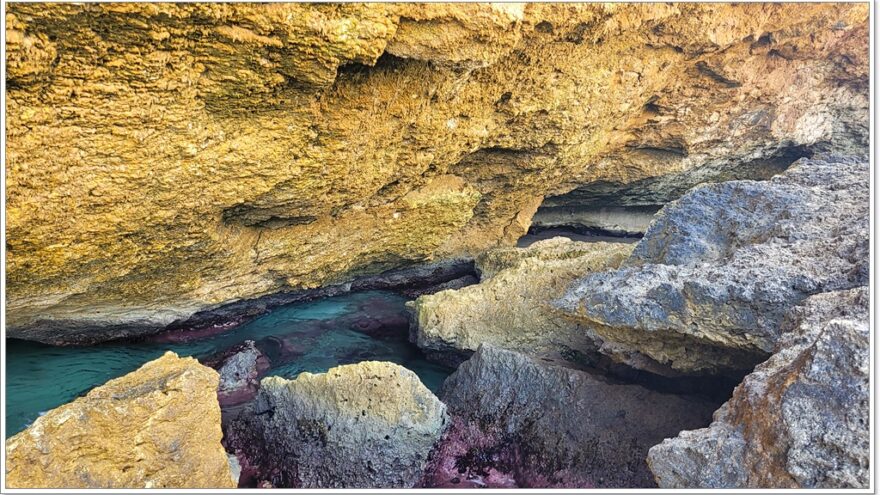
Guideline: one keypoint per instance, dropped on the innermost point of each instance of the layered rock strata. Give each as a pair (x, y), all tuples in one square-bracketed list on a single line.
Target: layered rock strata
[(627, 209), (707, 287), (799, 421), (510, 307), (366, 425), (164, 160), (521, 422), (156, 427)]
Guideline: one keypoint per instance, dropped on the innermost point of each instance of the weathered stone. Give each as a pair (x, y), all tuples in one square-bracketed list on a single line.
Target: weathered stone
[(167, 159), (522, 422), (799, 421), (706, 289), (365, 425), (510, 307), (156, 427), (240, 369)]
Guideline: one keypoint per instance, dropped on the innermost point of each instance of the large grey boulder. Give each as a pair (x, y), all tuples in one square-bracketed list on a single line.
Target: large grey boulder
[(800, 420), (706, 288), (365, 425), (521, 422)]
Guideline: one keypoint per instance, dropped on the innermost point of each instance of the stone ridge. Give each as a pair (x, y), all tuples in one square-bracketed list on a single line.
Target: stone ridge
[(365, 425), (510, 307), (543, 425), (351, 389)]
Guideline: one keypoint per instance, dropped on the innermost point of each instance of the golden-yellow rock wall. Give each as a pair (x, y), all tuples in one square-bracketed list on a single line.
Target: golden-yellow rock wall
[(166, 158)]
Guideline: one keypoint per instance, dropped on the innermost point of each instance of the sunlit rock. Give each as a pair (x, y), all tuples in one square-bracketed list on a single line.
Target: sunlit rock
[(156, 427), (365, 425)]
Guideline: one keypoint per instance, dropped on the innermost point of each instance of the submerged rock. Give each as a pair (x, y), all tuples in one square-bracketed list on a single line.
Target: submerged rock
[(799, 421), (706, 289), (165, 160), (365, 425), (156, 427), (510, 308), (240, 368), (520, 422)]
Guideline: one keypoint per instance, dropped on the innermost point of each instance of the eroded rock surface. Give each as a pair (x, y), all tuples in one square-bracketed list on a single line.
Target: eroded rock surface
[(799, 421), (240, 368), (167, 159), (156, 427), (706, 289), (510, 307), (521, 422), (365, 425)]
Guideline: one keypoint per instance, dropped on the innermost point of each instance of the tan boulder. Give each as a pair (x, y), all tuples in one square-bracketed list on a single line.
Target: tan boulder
[(510, 307), (156, 427)]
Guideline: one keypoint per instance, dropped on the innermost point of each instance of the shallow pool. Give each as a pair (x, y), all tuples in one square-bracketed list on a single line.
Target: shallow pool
[(310, 336)]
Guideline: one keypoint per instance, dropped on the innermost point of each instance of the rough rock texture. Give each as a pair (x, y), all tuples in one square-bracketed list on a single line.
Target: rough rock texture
[(166, 159), (799, 421), (510, 307), (521, 422), (627, 209), (706, 289), (365, 425), (156, 427), (240, 369)]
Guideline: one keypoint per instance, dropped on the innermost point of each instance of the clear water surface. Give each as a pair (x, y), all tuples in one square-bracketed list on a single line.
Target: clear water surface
[(310, 336)]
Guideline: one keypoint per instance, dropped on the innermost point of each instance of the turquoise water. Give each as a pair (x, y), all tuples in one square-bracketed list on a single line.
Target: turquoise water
[(311, 336)]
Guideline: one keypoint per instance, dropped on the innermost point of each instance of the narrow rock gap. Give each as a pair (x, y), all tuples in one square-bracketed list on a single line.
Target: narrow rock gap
[(614, 211)]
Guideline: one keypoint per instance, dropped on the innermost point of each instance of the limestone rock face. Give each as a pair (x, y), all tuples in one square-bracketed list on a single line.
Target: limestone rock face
[(156, 427), (365, 425), (799, 421), (167, 159), (510, 307), (706, 289), (520, 422)]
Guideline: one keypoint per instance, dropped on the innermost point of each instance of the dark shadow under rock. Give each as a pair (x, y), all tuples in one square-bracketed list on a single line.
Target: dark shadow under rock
[(520, 422), (800, 420)]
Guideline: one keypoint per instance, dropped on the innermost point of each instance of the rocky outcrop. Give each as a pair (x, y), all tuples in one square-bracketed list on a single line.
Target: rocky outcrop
[(706, 289), (520, 422), (156, 427), (366, 425), (799, 421), (510, 307), (163, 160)]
